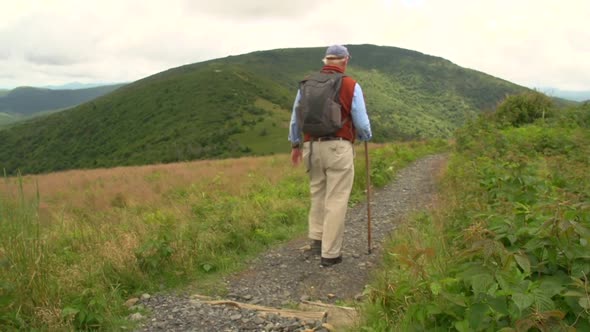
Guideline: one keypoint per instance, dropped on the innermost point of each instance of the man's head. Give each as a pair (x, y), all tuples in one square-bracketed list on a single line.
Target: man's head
[(337, 55)]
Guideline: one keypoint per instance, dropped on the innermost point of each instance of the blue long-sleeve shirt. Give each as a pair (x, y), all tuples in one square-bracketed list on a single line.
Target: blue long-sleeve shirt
[(360, 119)]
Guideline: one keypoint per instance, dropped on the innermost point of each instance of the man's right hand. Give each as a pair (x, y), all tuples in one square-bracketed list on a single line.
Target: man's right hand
[(296, 156)]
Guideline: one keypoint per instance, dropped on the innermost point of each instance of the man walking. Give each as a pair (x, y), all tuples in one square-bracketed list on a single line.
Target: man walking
[(330, 111)]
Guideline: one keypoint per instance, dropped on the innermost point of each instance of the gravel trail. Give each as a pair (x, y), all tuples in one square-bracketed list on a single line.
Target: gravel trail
[(284, 276)]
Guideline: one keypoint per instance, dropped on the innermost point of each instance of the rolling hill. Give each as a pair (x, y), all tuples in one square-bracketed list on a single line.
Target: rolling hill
[(6, 118), (28, 101), (240, 105)]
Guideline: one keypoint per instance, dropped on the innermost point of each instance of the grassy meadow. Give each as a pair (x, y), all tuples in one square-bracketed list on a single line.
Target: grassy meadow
[(508, 246), (75, 245)]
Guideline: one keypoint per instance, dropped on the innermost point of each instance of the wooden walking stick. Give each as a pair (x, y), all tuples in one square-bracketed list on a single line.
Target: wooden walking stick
[(368, 168)]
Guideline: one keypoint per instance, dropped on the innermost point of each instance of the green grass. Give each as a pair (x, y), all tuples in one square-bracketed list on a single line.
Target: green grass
[(507, 248), (66, 263)]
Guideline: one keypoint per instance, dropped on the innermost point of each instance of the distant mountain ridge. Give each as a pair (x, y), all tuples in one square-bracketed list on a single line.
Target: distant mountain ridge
[(27, 101), (241, 105), (575, 95), (78, 85)]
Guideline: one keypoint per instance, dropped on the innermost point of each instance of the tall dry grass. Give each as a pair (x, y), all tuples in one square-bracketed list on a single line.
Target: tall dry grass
[(70, 227), (97, 188)]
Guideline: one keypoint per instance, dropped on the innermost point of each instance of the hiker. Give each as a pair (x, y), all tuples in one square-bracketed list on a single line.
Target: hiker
[(326, 147)]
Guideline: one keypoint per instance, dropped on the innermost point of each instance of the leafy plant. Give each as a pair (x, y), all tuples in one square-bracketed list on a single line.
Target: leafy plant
[(509, 252), (525, 108), (156, 251)]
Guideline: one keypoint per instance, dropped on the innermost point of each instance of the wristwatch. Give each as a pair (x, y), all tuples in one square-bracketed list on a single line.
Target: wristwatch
[(296, 146)]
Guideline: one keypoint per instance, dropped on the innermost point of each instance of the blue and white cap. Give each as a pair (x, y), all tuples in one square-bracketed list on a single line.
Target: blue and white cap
[(337, 52)]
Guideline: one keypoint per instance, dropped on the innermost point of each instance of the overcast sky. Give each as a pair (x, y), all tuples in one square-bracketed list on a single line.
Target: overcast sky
[(536, 43)]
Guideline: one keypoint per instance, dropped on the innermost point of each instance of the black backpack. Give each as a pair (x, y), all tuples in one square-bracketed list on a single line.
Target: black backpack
[(319, 111)]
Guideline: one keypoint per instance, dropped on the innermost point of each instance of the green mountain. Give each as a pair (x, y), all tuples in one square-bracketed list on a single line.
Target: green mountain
[(29, 101), (563, 103), (6, 118), (240, 105)]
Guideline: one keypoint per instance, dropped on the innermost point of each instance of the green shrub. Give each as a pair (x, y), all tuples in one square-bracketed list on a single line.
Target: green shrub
[(525, 108), (155, 253), (508, 250)]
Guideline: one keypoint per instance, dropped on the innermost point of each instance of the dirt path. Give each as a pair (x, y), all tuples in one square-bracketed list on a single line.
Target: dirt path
[(285, 276)]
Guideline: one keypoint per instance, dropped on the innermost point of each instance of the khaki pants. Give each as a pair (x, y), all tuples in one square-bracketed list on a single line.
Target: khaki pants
[(331, 175)]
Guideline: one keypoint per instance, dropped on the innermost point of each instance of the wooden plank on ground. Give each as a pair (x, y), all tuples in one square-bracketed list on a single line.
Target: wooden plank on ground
[(304, 315), (338, 316)]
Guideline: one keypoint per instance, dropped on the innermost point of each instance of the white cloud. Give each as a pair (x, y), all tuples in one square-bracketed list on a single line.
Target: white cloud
[(251, 10), (533, 43)]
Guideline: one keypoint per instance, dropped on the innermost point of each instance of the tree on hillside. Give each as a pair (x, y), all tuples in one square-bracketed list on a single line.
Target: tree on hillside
[(524, 108)]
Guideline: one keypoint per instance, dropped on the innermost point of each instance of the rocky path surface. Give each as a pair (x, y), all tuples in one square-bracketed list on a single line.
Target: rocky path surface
[(285, 276)]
